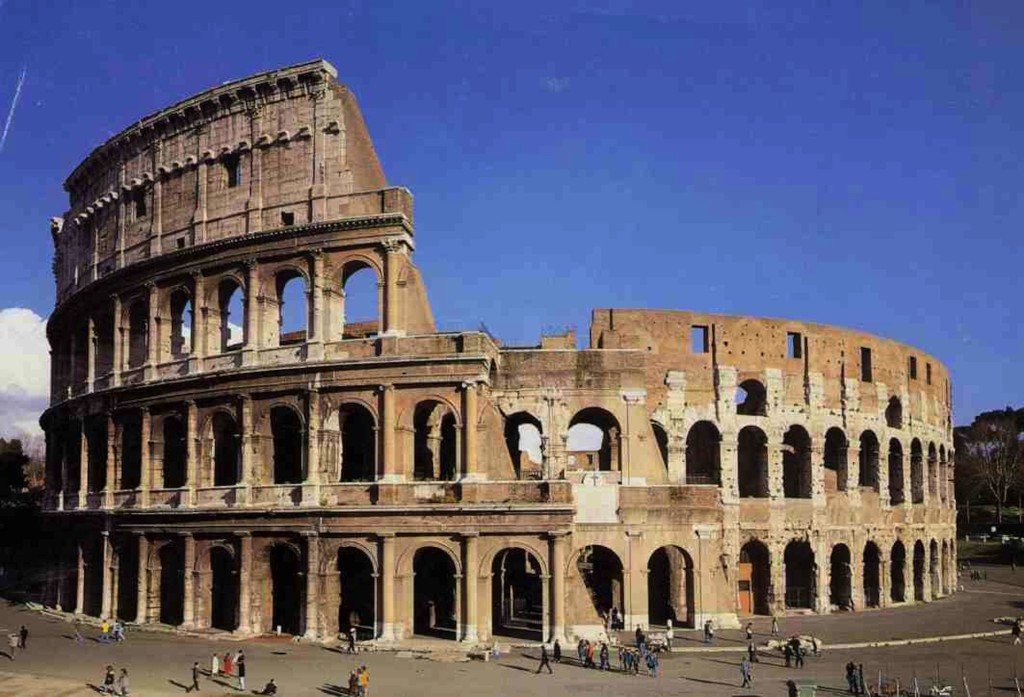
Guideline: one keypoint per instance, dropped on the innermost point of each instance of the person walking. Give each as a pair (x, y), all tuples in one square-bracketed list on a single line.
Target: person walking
[(12, 640), (581, 651), (751, 652), (851, 678), (746, 672), (240, 662), (787, 654), (364, 681), (557, 652), (798, 652), (353, 682), (544, 662), (590, 654), (670, 634), (228, 665), (604, 657), (352, 640), (862, 688), (79, 639), (123, 684), (750, 631), (195, 678), (1015, 631), (23, 638), (214, 665), (105, 631), (775, 625), (711, 631)]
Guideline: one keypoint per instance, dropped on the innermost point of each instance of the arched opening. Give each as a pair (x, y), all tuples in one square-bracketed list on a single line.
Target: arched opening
[(755, 579), (601, 571), (945, 568), (933, 568), (224, 583), (104, 328), (287, 434), (943, 475), (799, 562), (796, 463), (73, 450), (175, 453), (360, 301), (436, 442), (435, 611), (916, 472), (292, 312), (92, 553), (172, 584), (127, 578), (96, 445), (703, 454), (835, 460), (287, 580), (872, 575), (594, 440), (670, 587), (895, 472), (840, 578), (358, 443), (897, 571), (894, 413), (181, 324), (226, 446), (868, 460), (79, 358), (232, 315), (131, 451), (138, 333), (919, 571), (751, 399), (752, 458), (357, 602), (933, 478), (661, 440), (517, 595), (525, 444)]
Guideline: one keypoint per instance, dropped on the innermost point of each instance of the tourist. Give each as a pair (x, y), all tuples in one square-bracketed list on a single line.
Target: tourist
[(851, 678), (352, 640), (798, 653), (270, 688), (240, 662), (751, 652), (615, 618), (670, 634), (862, 688), (23, 638), (12, 640), (105, 631), (79, 639), (775, 625), (652, 664), (214, 665), (195, 678), (787, 653), (1015, 631), (544, 662), (581, 651), (711, 631), (707, 629), (639, 634), (228, 664), (814, 645), (118, 632), (746, 671), (123, 685), (603, 656), (353, 682), (108, 681), (590, 654), (364, 681), (557, 652), (750, 631)]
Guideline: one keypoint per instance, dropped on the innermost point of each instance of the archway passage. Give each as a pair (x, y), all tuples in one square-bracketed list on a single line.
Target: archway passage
[(897, 571), (96, 444), (835, 460), (661, 440), (172, 584), (919, 571), (869, 454), (358, 444), (523, 438), (916, 472), (226, 448), (754, 582), (286, 428), (286, 580), (799, 561), (894, 413), (796, 463), (945, 568), (840, 578), (357, 602), (895, 472), (872, 575), (223, 589), (175, 453), (435, 611), (138, 333), (361, 300), (753, 463), (131, 451), (670, 587), (92, 550), (128, 579), (933, 568), (435, 442), (751, 399), (594, 440), (517, 595), (601, 571), (703, 454)]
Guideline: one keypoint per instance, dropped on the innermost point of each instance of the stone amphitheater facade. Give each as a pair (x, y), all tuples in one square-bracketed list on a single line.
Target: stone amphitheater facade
[(209, 470)]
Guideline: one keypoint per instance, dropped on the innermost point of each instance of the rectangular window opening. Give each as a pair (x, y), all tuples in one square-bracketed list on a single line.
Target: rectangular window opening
[(865, 364), (233, 169), (699, 339), (287, 218), (139, 198), (794, 345), (928, 373)]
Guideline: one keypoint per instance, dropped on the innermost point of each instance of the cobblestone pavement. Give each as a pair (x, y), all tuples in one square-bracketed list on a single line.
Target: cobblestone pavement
[(159, 664)]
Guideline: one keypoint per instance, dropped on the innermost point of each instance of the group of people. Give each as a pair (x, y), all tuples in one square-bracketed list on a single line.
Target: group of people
[(114, 684), (359, 681), (110, 631), (18, 641), (613, 620), (231, 665), (855, 679)]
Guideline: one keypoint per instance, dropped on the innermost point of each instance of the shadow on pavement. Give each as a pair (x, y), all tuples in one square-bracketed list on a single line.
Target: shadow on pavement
[(329, 689)]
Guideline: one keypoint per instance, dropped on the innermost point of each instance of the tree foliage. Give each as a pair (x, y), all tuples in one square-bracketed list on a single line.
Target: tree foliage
[(13, 460), (990, 456)]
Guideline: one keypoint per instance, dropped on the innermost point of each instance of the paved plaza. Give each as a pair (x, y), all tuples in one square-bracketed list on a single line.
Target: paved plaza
[(159, 664)]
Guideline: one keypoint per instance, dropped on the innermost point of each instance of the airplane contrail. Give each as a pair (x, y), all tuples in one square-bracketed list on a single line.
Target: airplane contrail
[(14, 105)]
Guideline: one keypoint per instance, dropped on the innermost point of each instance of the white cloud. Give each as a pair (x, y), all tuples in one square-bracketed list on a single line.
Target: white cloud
[(24, 370), (235, 333), (585, 438)]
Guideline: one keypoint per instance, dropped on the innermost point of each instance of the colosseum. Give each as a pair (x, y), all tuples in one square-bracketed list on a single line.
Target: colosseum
[(212, 469)]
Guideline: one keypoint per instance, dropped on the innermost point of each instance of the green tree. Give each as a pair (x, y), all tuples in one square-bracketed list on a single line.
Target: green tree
[(13, 485)]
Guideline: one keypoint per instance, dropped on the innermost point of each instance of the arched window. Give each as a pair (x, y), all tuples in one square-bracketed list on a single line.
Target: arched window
[(232, 315), (895, 472), (594, 441), (175, 453), (894, 413), (796, 463), (835, 460), (287, 432), (869, 454), (104, 327), (753, 463), (292, 308), (661, 440), (916, 472), (525, 444), (358, 444), (131, 451), (435, 442), (799, 562), (751, 399), (361, 300), (703, 454), (181, 324), (226, 446), (138, 333), (933, 474)]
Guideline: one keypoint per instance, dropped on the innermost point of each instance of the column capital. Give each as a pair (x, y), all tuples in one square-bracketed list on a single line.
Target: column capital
[(558, 534), (385, 536), (470, 535), (386, 388), (196, 274), (185, 535), (250, 263), (391, 245), (310, 533), (469, 384), (242, 533)]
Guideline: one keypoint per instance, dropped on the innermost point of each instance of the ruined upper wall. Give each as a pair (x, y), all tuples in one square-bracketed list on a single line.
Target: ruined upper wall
[(827, 372), (285, 147)]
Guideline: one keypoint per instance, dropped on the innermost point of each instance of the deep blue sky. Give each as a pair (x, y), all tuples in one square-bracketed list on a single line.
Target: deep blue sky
[(856, 167)]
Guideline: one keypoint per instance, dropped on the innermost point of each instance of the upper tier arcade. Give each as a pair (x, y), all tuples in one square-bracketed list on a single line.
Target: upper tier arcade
[(282, 148)]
